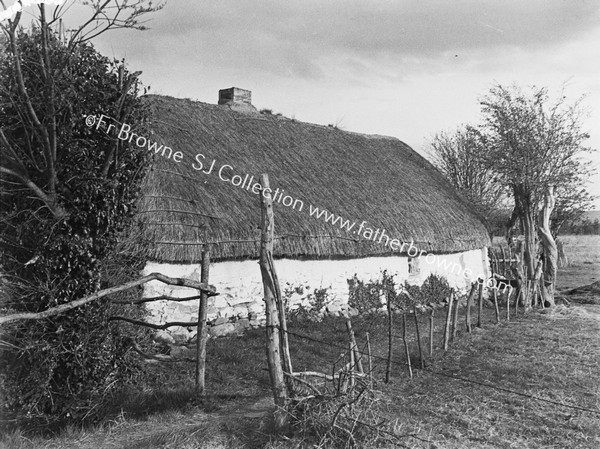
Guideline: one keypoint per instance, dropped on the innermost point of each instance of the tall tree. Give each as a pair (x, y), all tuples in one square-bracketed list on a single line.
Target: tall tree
[(67, 191), (535, 145)]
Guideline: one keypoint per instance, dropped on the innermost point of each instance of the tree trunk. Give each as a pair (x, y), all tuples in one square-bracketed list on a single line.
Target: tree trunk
[(530, 242), (549, 250)]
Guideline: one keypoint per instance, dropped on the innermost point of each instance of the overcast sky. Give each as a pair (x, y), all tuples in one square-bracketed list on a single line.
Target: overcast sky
[(403, 68)]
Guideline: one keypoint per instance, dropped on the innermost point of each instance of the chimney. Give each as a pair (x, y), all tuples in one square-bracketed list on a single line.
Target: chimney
[(235, 95), (237, 99)]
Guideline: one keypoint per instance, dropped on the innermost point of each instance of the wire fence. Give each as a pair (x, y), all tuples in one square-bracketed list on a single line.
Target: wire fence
[(430, 371)]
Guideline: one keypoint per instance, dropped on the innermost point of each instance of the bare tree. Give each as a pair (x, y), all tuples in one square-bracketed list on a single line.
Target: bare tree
[(462, 157)]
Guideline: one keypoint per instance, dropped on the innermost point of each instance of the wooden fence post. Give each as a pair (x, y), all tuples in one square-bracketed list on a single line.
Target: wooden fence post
[(495, 291), (388, 371), (354, 346), (202, 334), (469, 304), (431, 331), (455, 318), (408, 362), (448, 318), (351, 364), (479, 305), (419, 340), (272, 328), (370, 360), (283, 335)]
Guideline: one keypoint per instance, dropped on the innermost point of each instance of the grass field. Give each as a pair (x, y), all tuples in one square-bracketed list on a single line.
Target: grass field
[(498, 387), (583, 254)]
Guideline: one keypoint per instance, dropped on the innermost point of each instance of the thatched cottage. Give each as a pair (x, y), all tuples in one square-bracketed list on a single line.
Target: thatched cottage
[(203, 189)]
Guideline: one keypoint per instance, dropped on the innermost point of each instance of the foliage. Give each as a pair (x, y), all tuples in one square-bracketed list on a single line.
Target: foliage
[(317, 301), (461, 157), (529, 149), (62, 233), (535, 146), (435, 289), (365, 296), (584, 226), (533, 142)]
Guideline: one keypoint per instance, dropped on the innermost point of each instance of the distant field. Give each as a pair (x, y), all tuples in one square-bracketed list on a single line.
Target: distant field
[(580, 249), (592, 215)]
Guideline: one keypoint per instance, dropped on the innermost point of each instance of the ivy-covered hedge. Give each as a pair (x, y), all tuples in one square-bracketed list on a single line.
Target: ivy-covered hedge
[(60, 368)]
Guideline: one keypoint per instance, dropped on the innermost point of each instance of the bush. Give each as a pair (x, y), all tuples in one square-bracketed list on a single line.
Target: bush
[(434, 290), (317, 301), (60, 368), (366, 296)]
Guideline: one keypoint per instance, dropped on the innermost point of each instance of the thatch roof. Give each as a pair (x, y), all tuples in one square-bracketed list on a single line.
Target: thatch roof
[(359, 177)]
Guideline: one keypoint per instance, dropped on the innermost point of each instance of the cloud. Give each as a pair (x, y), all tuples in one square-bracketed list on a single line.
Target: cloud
[(302, 38)]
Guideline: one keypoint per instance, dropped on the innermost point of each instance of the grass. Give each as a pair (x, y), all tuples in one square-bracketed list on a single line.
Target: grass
[(579, 249), (553, 355), (582, 249), (583, 254)]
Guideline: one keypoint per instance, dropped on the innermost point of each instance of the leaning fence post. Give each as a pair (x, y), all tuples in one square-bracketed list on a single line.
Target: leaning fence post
[(455, 318), (351, 364), (370, 360), (354, 346), (273, 343), (469, 304), (431, 331), (419, 339), (202, 334), (283, 336), (388, 371), (448, 317), (408, 363), (508, 306), (495, 291), (480, 305)]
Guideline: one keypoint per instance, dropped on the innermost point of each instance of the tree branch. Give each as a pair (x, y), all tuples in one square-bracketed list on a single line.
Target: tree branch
[(154, 326), (109, 291), (38, 126), (50, 202)]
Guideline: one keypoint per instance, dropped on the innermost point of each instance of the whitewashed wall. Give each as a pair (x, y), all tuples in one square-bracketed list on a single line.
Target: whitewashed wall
[(240, 286)]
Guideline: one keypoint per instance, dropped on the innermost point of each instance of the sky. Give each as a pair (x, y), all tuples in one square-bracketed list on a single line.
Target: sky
[(402, 68)]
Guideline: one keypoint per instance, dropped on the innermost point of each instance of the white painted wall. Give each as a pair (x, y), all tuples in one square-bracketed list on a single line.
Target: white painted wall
[(240, 286)]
